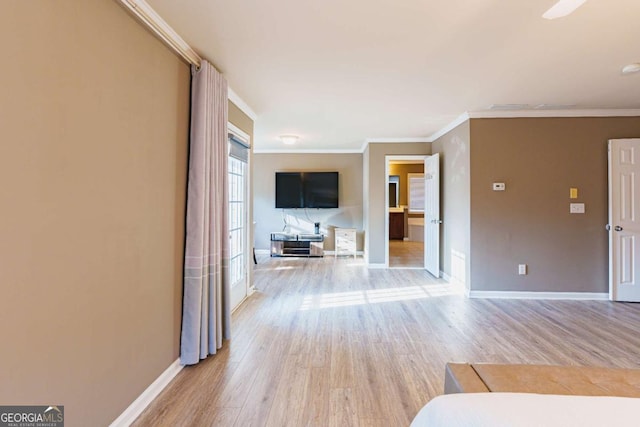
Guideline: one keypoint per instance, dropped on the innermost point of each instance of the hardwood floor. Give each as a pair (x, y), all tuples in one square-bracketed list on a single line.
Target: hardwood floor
[(328, 342), (406, 254)]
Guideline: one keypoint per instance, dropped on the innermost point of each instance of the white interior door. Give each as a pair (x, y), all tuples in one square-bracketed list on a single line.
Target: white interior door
[(432, 214), (624, 224)]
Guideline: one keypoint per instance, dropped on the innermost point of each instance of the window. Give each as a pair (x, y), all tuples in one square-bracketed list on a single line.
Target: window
[(416, 192), (239, 246), (237, 220)]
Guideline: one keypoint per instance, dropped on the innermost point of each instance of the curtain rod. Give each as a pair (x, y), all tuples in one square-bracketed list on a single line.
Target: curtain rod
[(155, 23)]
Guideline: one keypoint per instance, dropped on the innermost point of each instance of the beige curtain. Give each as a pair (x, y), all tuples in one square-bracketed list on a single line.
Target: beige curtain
[(206, 314)]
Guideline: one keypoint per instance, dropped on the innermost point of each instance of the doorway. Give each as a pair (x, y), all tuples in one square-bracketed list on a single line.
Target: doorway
[(405, 212)]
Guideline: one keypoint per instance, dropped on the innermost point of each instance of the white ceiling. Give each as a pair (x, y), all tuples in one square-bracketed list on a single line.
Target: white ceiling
[(337, 73)]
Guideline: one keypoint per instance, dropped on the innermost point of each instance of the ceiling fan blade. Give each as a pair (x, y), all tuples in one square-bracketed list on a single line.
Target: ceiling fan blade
[(563, 8)]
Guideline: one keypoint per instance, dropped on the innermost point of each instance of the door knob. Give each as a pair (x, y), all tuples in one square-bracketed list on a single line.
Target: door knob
[(617, 228)]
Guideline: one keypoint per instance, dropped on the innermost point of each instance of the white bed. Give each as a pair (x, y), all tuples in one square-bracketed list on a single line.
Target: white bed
[(528, 410)]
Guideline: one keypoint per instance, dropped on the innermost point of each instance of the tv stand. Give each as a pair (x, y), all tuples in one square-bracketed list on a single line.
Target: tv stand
[(303, 245)]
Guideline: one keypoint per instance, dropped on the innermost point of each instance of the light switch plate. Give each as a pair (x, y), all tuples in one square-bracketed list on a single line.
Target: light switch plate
[(573, 193), (577, 208), (499, 186)]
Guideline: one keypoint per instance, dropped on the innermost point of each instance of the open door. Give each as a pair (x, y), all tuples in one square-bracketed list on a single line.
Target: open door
[(624, 225), (432, 219)]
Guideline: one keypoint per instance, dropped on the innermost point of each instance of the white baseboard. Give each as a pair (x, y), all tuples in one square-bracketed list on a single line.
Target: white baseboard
[(463, 287), (140, 404), (540, 295), (382, 265), (262, 251), (332, 253)]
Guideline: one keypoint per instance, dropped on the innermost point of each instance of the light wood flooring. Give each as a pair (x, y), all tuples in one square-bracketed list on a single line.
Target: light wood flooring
[(406, 254), (328, 342)]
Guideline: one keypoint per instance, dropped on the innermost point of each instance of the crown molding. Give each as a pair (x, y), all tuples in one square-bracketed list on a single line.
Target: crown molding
[(307, 151), (239, 102), (451, 126), (413, 140), (154, 22), (396, 140), (554, 113), (532, 114)]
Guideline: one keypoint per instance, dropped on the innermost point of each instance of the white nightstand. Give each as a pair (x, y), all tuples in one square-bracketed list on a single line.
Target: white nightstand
[(345, 241)]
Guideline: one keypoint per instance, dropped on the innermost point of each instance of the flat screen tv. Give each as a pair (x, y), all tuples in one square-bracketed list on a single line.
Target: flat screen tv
[(289, 193), (306, 190), (320, 189)]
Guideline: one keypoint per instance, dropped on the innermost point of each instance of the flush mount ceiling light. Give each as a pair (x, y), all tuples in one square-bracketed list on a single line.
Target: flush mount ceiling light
[(563, 8), (289, 139), (631, 68)]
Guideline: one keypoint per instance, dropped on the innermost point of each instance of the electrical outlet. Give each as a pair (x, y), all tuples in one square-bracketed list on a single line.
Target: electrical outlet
[(499, 186), (522, 269), (576, 208)]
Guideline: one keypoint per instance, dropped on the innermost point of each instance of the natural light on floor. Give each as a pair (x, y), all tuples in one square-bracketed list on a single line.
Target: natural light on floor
[(376, 296)]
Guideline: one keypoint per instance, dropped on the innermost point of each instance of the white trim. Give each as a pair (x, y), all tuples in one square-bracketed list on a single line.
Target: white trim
[(397, 140), (445, 276), (598, 296), (554, 113), (140, 404), (451, 126), (531, 114), (376, 266), (413, 140), (239, 132), (306, 151), (497, 114), (263, 251), (332, 253), (239, 102), (386, 210), (416, 158), (153, 21)]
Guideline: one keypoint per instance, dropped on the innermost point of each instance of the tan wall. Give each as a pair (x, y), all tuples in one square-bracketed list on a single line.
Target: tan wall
[(375, 181), (454, 149), (539, 160), (94, 121), (269, 219), (240, 119)]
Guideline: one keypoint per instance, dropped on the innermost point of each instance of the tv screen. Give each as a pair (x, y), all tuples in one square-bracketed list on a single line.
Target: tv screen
[(320, 189), (306, 190), (289, 194)]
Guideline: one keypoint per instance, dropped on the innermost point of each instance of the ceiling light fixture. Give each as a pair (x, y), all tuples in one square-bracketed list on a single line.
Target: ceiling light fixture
[(631, 68), (289, 139), (563, 8)]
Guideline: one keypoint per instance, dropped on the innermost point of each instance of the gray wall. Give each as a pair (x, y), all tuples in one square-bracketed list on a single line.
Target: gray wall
[(455, 193), (269, 219), (375, 182), (539, 159), (93, 165)]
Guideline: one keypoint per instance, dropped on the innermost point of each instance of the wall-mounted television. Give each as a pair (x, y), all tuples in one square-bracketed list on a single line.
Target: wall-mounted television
[(289, 193), (306, 190)]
